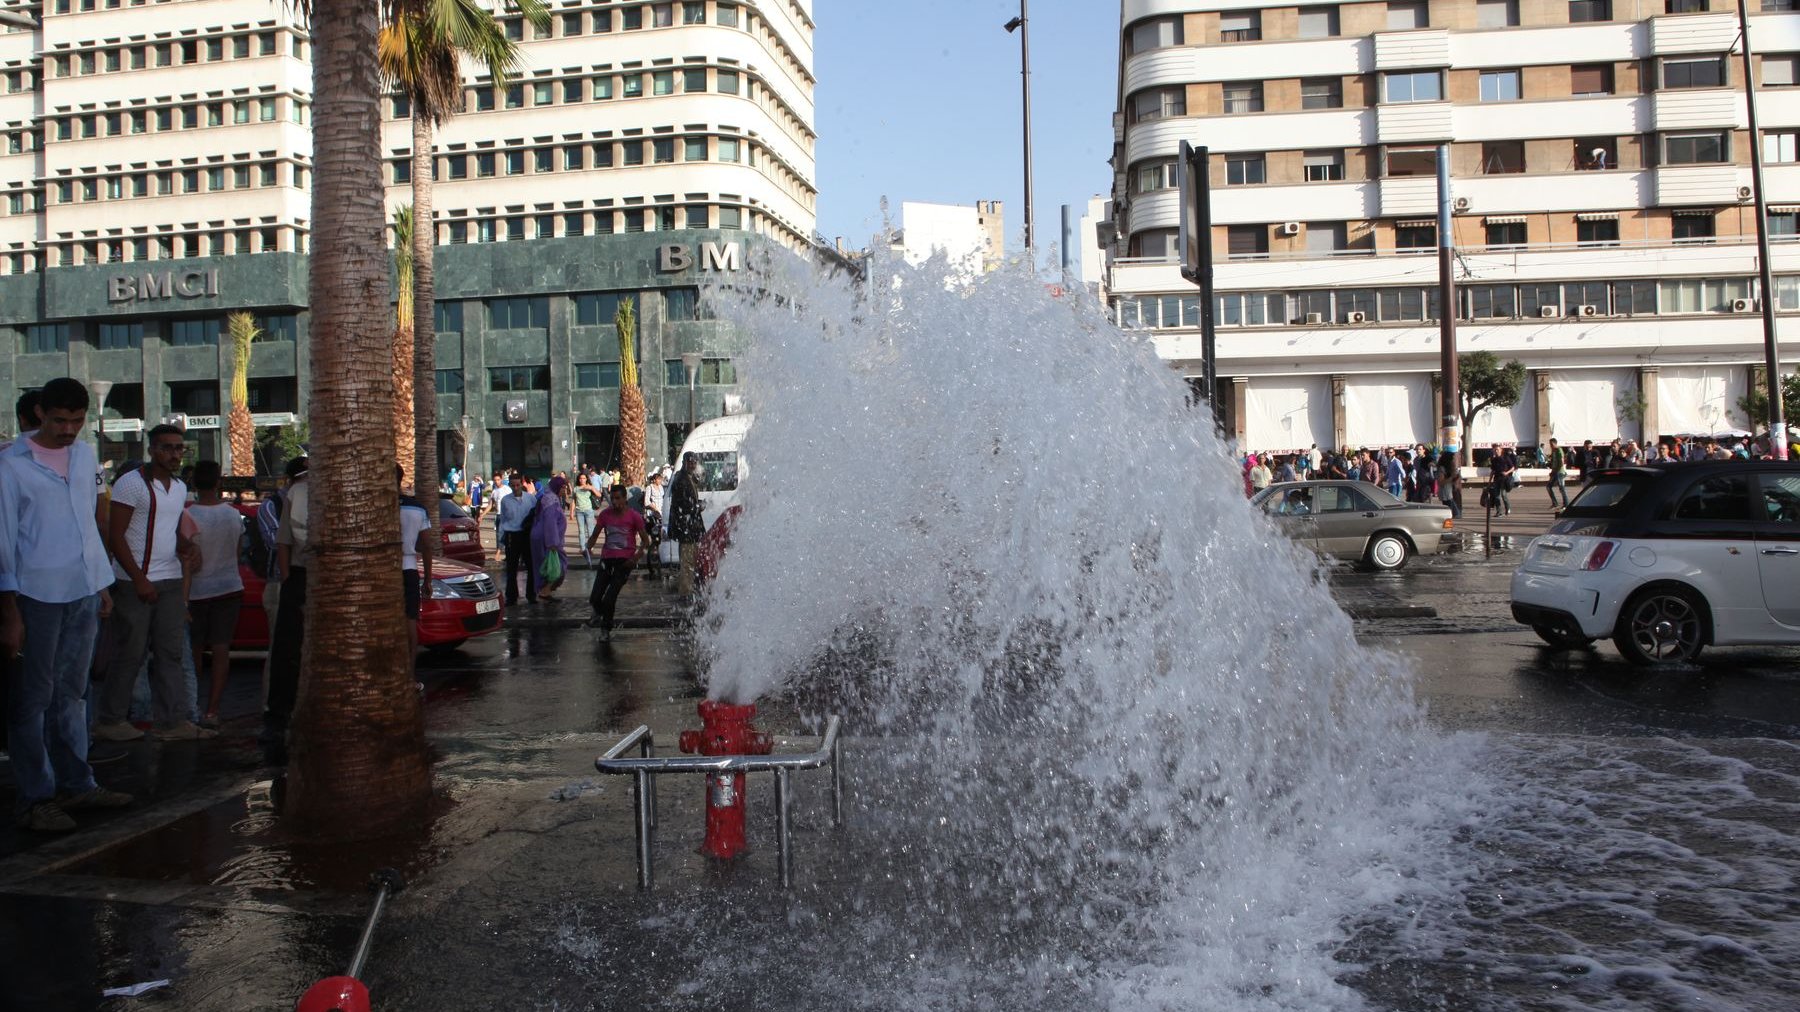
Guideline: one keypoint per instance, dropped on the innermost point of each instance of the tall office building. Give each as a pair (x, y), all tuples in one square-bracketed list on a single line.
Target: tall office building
[(158, 173), (1601, 175)]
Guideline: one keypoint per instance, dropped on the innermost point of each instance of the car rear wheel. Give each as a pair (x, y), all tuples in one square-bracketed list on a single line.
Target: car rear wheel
[(1387, 550), (1662, 626), (1559, 639)]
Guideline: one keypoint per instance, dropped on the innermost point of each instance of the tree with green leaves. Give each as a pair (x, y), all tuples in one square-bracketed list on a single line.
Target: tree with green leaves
[(1755, 402), (1486, 383), (421, 49)]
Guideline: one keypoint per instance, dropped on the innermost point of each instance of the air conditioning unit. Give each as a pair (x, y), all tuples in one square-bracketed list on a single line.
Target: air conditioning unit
[(1462, 204), (178, 419), (1288, 228), (1356, 317), (1549, 312), (1587, 310), (1743, 193), (1315, 319), (1743, 305), (515, 411)]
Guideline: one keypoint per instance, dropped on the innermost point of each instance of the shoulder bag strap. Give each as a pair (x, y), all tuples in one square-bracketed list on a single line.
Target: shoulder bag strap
[(149, 520)]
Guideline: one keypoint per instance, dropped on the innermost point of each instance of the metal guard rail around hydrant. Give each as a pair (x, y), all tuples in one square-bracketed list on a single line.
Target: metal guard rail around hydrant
[(646, 766)]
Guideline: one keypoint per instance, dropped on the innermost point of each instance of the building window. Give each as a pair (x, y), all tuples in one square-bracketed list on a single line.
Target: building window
[(1503, 234), (1242, 309), (1415, 235), (1240, 26), (693, 80), (543, 93), (631, 153), (1410, 161), (515, 163), (1684, 6), (1780, 145), (1597, 232), (1243, 242), (543, 160), (1158, 103), (1695, 149), (682, 305), (1693, 228), (1692, 72), (1243, 170), (1157, 176), (1323, 166), (449, 381), (662, 82), (193, 333), (1784, 226), (1244, 96), (449, 317), (731, 218), (1318, 22), (1490, 302), (572, 156), (596, 375), (571, 89), (1696, 296), (693, 149), (729, 148), (1780, 71), (662, 150), (518, 378), (1496, 13), (1321, 93), (46, 338), (515, 229), (1404, 15), (727, 15), (1500, 158), (597, 309), (634, 219), (1324, 238), (484, 165), (519, 313), (1160, 33), (693, 12), (1596, 153), (1500, 86), (1591, 79), (119, 336), (1413, 86), (1589, 10), (726, 81), (1153, 244), (574, 223)]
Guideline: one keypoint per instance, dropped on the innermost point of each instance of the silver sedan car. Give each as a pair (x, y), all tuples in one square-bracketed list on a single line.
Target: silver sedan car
[(1355, 520)]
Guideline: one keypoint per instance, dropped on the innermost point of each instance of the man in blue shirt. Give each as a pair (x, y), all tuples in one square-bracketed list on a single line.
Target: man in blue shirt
[(515, 536), (53, 592)]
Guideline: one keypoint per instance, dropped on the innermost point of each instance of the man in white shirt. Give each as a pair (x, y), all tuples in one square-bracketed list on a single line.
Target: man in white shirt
[(149, 609)]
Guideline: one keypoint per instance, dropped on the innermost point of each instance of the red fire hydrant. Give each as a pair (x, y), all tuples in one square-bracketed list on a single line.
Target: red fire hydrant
[(725, 730)]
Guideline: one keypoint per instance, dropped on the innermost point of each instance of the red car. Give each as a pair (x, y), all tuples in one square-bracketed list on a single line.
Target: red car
[(463, 601), (461, 533)]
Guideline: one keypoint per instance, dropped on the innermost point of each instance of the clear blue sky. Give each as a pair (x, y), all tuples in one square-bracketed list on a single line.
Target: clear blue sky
[(919, 100)]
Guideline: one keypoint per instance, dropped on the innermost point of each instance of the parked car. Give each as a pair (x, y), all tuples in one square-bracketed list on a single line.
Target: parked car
[(1355, 520), (461, 534), (463, 602), (1668, 559)]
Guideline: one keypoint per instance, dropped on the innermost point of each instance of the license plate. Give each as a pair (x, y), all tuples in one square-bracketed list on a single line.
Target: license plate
[(464, 536), (483, 607)]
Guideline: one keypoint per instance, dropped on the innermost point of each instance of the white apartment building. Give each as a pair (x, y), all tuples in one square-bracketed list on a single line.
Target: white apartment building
[(1605, 235), (157, 173)]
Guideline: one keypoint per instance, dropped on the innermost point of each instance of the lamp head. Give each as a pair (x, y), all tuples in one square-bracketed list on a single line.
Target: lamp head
[(1014, 24)]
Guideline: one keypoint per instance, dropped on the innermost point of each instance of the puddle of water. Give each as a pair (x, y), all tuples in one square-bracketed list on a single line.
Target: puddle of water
[(240, 843)]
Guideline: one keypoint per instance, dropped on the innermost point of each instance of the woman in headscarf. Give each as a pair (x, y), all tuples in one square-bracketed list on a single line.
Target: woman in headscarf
[(548, 558)]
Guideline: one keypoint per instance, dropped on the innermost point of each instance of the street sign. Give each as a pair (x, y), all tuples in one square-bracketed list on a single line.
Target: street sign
[(1195, 223)]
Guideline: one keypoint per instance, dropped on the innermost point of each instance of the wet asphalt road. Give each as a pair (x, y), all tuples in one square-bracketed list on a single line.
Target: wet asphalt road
[(241, 919)]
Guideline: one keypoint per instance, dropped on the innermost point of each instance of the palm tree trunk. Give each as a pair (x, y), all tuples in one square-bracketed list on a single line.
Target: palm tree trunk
[(425, 467), (403, 400), (358, 766)]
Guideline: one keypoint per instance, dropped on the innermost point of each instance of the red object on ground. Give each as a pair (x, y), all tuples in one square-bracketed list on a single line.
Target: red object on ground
[(335, 994), (725, 730), (714, 544)]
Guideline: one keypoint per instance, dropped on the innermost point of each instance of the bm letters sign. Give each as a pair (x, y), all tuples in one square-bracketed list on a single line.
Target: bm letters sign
[(713, 256), (166, 285)]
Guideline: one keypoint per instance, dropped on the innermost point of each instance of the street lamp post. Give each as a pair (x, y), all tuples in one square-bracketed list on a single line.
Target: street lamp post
[(99, 388), (468, 429), (574, 442), (690, 361), (1022, 24)]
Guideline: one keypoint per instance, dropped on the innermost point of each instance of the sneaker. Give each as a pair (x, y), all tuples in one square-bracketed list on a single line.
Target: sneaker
[(45, 817), (606, 635), (116, 730), (210, 720), (184, 731), (94, 797), (98, 756)]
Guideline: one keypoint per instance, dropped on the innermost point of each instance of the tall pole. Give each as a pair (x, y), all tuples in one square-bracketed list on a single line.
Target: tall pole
[(1771, 351), (1023, 24), (1193, 170), (1450, 437)]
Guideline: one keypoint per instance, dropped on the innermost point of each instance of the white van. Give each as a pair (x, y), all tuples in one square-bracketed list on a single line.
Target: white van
[(723, 468)]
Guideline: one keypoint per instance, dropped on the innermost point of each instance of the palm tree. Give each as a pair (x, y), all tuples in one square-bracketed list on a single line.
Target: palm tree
[(404, 433), (420, 52), (358, 765), (631, 398), (240, 428)]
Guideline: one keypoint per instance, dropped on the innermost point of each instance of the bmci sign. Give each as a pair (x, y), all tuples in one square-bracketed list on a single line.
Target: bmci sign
[(166, 285), (712, 256)]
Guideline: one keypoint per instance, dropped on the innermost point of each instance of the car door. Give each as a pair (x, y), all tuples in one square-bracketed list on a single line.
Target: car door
[(1292, 511), (1708, 541), (1777, 514), (1342, 528)]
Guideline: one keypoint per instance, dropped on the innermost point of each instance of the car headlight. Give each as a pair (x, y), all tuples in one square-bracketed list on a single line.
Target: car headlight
[(441, 591)]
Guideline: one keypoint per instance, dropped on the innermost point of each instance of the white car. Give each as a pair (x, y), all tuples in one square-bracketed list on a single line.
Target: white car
[(1667, 559)]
